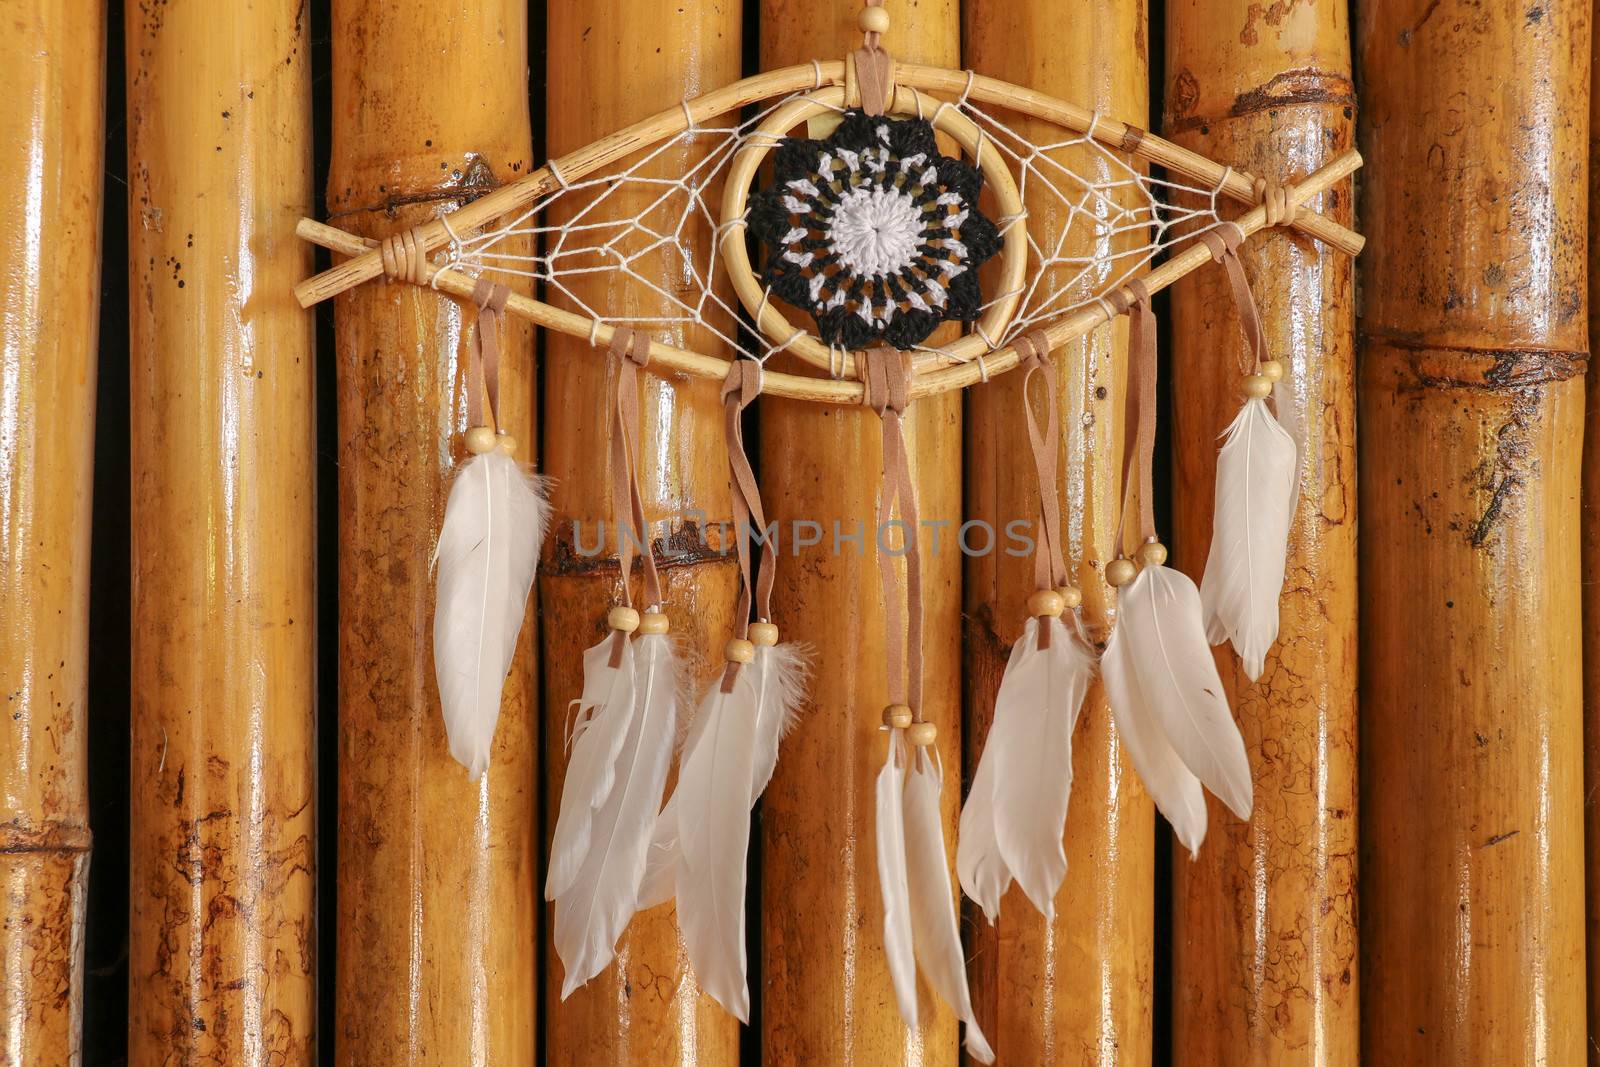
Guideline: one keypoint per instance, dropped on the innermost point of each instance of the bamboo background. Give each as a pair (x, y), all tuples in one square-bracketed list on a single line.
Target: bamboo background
[(214, 546)]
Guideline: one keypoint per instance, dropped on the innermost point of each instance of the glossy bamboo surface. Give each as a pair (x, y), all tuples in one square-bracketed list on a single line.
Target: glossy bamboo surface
[(1474, 335), (1076, 990), (826, 989), (52, 76), (609, 65), (437, 907), (1590, 522), (221, 953), (1265, 940)]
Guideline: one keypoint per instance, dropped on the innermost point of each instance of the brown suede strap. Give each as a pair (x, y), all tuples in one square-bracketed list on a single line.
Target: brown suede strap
[(1138, 476), (483, 353), (629, 351), (1223, 244), (739, 390), (887, 392)]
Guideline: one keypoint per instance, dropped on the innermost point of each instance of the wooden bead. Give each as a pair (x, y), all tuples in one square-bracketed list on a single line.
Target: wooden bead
[(739, 651), (623, 618), (480, 439), (1120, 571), (1257, 386), (506, 444), (1071, 596), (873, 20), (923, 733), (1272, 370), (897, 716), (1046, 602), (1153, 553), (653, 622), (764, 634)]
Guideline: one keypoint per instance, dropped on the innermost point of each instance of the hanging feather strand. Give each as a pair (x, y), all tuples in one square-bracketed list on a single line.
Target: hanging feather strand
[(933, 916), (605, 714), (1159, 619), (1256, 476), (593, 910), (494, 525), (893, 878), (1027, 767)]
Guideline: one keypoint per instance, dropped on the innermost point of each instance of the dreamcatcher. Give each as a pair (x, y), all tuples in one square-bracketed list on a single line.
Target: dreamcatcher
[(867, 225)]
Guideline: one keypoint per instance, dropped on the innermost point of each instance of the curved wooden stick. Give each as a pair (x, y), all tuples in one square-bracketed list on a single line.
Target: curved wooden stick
[(575, 166), (666, 359)]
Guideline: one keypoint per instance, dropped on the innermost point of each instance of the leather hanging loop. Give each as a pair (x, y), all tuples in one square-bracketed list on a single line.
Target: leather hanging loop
[(740, 389), (628, 352), (483, 353), (1138, 477), (1223, 244), (1049, 557), (887, 391)]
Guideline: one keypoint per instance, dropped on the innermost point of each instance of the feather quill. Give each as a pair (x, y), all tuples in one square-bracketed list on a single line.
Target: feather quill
[(712, 811), (593, 911), (488, 548), (980, 867), (1159, 616), (936, 935), (1256, 476), (893, 878), (1170, 784), (605, 713)]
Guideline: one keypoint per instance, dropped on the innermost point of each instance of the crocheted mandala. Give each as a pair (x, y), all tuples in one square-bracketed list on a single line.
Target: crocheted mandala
[(874, 232)]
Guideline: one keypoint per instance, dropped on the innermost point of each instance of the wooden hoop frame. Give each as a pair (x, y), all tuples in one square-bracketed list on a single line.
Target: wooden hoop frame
[(772, 322)]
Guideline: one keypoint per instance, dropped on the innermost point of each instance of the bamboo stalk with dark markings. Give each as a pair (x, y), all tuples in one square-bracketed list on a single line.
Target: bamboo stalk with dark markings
[(1079, 989), (1474, 342), (610, 65), (828, 997), (1264, 967), (437, 907), (222, 921), (1590, 522), (52, 75)]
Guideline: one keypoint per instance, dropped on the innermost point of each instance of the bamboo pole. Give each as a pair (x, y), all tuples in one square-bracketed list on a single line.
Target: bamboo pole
[(827, 993), (52, 74), (1474, 335), (221, 953), (610, 64), (1264, 960), (1591, 595), (1079, 989), (437, 908)]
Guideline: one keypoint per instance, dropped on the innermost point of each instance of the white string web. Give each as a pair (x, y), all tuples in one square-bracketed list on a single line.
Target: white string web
[(639, 245)]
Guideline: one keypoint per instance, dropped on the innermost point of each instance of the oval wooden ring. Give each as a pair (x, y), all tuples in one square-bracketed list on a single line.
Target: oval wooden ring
[(776, 326)]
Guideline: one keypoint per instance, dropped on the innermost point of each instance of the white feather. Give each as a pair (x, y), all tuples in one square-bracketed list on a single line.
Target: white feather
[(1170, 784), (1257, 472), (933, 915), (494, 525), (982, 870), (712, 812), (779, 675), (1159, 618), (893, 879), (593, 911), (1035, 714), (605, 712)]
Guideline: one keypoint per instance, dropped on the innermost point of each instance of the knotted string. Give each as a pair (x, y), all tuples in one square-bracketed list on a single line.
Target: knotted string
[(739, 390), (1223, 244), (629, 351), (483, 352), (887, 392), (1138, 472), (1275, 197), (1049, 559)]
